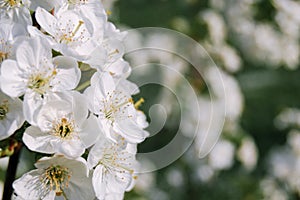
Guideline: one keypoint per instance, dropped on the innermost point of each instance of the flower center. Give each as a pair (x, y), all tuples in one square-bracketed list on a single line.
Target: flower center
[(40, 84), (68, 36), (9, 3), (117, 161), (12, 3), (3, 110), (115, 106), (56, 178), (3, 56), (64, 129)]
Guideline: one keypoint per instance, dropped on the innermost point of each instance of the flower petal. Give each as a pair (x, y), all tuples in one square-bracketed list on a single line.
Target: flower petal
[(130, 131), (99, 182), (29, 186), (72, 148), (68, 73), (11, 82), (45, 20), (32, 105), (90, 131), (38, 141)]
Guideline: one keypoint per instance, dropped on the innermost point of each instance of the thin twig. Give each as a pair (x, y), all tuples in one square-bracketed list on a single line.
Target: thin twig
[(11, 173)]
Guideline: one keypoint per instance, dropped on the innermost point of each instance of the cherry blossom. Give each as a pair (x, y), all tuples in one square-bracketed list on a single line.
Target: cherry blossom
[(56, 177), (114, 168), (63, 128), (36, 75), (115, 109)]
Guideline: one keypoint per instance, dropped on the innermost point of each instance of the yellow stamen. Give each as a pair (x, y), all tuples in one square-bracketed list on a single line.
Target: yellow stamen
[(69, 37), (56, 178), (3, 56), (114, 108), (108, 12), (139, 103), (63, 129), (40, 84), (116, 51), (77, 28), (12, 3)]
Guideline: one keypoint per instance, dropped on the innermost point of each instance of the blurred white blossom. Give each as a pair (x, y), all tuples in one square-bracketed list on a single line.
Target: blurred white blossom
[(247, 154), (222, 156)]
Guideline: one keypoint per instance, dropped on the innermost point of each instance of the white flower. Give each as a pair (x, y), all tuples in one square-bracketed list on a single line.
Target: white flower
[(9, 39), (56, 177), (11, 115), (37, 75), (289, 117), (115, 109), (72, 34), (14, 11), (216, 26), (294, 141), (114, 168), (63, 128), (247, 153), (222, 155)]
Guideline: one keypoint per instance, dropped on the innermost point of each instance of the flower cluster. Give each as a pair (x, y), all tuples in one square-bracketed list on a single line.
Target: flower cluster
[(89, 135)]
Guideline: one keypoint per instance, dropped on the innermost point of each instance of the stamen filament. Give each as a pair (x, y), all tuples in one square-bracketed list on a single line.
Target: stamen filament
[(139, 103), (77, 28)]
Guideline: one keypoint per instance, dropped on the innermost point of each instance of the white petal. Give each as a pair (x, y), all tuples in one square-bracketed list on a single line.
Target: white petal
[(130, 131), (114, 196), (72, 148), (90, 131), (89, 94), (31, 52), (97, 57), (34, 32), (141, 119), (11, 82), (127, 86), (115, 50), (13, 119), (45, 20), (99, 182), (32, 105), (48, 5), (96, 152), (30, 187), (38, 141), (68, 73), (118, 182), (80, 107), (119, 68), (103, 82), (81, 190)]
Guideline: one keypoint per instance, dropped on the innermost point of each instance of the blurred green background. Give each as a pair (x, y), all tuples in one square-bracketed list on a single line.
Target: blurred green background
[(268, 84)]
